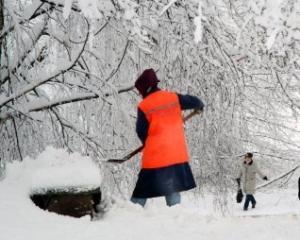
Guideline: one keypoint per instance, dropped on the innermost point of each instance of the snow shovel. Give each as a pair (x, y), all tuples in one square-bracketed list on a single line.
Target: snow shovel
[(139, 149), (239, 195)]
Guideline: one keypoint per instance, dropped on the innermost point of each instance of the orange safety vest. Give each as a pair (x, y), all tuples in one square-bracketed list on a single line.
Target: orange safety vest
[(165, 144)]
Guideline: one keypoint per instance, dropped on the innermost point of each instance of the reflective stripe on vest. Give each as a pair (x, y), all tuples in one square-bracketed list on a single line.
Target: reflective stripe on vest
[(165, 144)]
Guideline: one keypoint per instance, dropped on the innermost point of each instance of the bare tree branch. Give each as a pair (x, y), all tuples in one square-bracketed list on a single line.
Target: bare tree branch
[(119, 64), (17, 138), (279, 177)]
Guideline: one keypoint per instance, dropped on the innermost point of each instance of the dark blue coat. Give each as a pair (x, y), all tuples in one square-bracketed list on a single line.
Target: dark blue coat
[(164, 181)]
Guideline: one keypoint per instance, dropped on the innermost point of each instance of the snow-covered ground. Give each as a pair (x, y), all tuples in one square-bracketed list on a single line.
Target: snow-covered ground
[(277, 216)]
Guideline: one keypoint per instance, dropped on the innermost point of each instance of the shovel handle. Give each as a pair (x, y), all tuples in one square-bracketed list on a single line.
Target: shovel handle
[(190, 115), (128, 156)]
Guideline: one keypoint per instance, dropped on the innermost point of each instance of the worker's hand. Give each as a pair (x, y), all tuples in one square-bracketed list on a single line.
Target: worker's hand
[(198, 111), (265, 178)]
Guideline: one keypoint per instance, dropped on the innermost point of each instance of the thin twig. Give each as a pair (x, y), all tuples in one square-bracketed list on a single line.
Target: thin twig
[(120, 62), (17, 138)]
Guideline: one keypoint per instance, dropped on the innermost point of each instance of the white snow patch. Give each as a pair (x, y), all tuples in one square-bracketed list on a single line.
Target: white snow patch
[(198, 24), (276, 217), (193, 220), (67, 8), (271, 39), (54, 169), (90, 8), (30, 10)]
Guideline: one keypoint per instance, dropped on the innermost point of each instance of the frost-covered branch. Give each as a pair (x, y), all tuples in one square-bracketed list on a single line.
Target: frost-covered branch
[(30, 13), (36, 83), (167, 7), (87, 139), (281, 176)]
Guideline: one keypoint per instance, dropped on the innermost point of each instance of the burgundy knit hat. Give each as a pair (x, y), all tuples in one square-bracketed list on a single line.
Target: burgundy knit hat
[(146, 82)]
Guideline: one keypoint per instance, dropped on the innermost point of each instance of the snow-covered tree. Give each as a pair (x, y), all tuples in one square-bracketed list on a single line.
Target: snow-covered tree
[(68, 67)]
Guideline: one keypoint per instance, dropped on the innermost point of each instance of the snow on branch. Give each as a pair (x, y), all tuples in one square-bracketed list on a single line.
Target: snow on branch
[(36, 83), (87, 139), (56, 3), (32, 12), (72, 99), (61, 101), (167, 7), (42, 105)]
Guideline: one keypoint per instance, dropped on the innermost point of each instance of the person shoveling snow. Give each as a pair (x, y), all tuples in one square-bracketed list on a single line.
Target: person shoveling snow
[(165, 168)]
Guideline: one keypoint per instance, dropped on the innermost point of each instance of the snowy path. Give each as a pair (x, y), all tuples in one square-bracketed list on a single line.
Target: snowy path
[(277, 216), (21, 220)]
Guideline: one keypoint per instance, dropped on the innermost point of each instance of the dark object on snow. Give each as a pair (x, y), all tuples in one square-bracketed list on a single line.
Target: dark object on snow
[(239, 195), (265, 178), (299, 188), (73, 202), (249, 155), (238, 180)]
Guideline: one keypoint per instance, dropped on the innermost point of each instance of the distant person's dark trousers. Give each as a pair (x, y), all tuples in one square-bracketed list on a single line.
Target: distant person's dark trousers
[(249, 198)]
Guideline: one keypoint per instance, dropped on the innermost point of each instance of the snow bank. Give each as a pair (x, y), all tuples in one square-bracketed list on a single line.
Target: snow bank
[(193, 220), (276, 217), (55, 169)]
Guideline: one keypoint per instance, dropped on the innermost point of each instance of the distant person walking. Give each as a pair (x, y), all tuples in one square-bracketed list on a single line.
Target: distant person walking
[(247, 174), (165, 168)]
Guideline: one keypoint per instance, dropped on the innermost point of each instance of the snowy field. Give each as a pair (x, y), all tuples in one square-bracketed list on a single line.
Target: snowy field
[(21, 220), (277, 216)]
